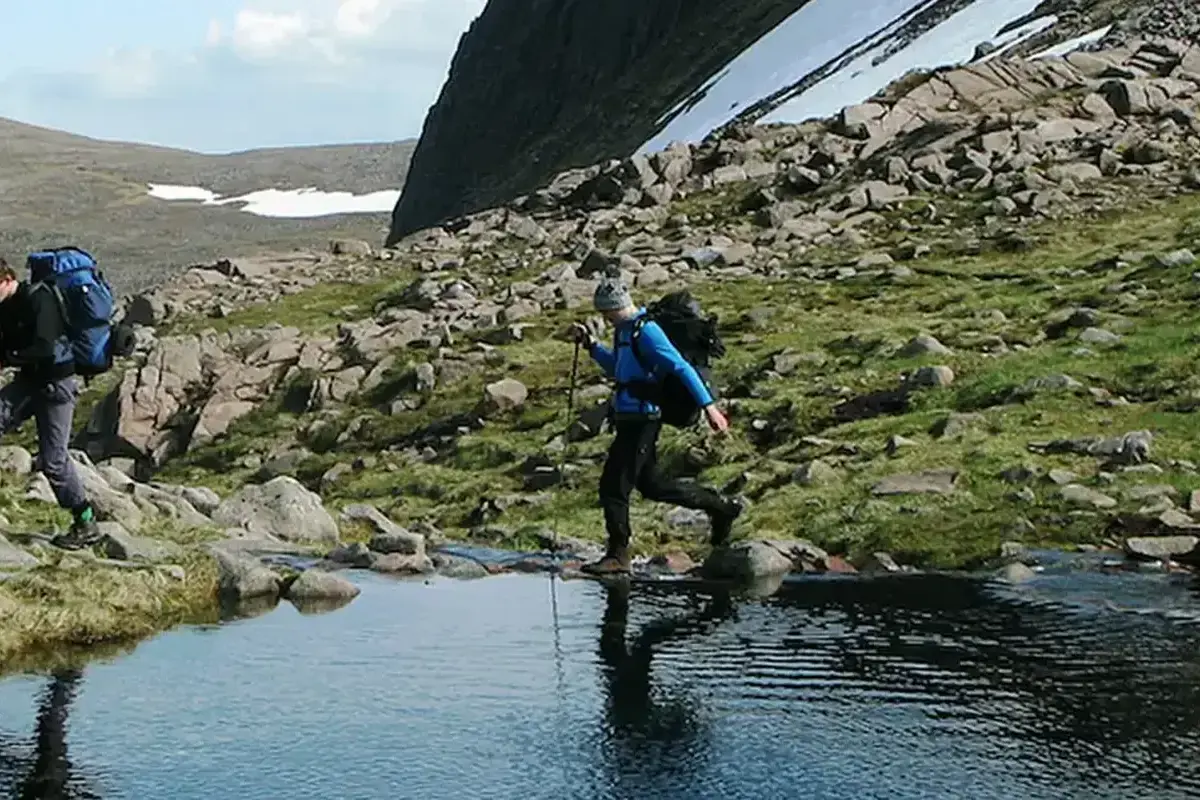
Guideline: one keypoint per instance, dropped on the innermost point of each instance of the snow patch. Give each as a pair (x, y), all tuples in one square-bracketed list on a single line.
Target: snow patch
[(952, 42), (166, 191), (821, 31), (290, 204), (1014, 38), (1071, 45)]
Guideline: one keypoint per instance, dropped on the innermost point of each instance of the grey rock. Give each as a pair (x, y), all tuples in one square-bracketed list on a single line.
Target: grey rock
[(13, 557), (1160, 548), (15, 460), (459, 568), (118, 543), (388, 536), (938, 481), (753, 559), (279, 509), (1079, 495), (505, 395), (243, 578), (937, 377), (816, 473), (924, 345), (315, 584), (355, 554), (955, 425), (1015, 573), (1098, 336), (880, 563)]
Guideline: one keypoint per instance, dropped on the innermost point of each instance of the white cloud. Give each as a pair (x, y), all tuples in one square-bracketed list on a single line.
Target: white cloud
[(273, 72)]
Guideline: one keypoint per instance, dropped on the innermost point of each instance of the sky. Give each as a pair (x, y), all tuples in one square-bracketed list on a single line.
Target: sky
[(226, 75)]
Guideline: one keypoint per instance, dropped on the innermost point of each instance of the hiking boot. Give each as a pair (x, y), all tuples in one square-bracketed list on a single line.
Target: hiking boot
[(83, 533), (722, 523), (616, 563)]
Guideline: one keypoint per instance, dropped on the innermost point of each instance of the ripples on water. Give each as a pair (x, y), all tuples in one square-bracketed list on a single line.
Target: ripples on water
[(900, 688)]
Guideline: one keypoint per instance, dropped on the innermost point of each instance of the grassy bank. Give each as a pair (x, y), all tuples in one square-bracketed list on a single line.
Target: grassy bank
[(78, 600)]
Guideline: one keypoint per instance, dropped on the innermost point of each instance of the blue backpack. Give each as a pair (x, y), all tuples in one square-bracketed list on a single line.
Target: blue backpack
[(87, 304)]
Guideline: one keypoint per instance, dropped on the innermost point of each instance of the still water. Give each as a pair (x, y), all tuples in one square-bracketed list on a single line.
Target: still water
[(1076, 686)]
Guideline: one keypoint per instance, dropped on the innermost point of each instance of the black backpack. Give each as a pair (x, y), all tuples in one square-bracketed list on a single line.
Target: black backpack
[(696, 339)]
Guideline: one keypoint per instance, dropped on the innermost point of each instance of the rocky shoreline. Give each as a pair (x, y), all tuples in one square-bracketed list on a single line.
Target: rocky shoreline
[(959, 320)]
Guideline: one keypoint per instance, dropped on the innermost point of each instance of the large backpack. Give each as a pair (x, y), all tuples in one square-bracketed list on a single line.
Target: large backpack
[(87, 304), (696, 339)]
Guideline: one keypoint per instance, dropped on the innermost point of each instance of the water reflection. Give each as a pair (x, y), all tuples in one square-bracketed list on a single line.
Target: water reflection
[(898, 687), (649, 725), (47, 773)]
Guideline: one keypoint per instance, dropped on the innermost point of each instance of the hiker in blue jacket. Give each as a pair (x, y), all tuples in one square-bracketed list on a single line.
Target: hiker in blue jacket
[(32, 337), (633, 458)]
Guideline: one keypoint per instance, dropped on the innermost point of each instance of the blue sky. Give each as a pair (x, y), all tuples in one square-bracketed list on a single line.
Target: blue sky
[(223, 75)]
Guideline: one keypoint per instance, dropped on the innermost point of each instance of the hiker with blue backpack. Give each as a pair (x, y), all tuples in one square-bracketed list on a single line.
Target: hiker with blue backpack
[(659, 361), (54, 328)]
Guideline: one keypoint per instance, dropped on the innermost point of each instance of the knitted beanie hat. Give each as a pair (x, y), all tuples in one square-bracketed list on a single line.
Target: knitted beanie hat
[(611, 293)]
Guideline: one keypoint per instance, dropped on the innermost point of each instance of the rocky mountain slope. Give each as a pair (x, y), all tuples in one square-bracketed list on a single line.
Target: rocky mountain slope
[(960, 324), (582, 83), (57, 187)]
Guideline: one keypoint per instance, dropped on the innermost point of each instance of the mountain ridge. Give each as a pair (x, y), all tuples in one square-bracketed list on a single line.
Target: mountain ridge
[(60, 187), (478, 149)]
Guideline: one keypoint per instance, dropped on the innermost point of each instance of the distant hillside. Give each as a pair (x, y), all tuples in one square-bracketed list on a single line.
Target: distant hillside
[(56, 187)]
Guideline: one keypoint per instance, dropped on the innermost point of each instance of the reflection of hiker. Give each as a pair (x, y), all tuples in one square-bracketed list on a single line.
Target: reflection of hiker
[(647, 366), (633, 707), (36, 339), (50, 777)]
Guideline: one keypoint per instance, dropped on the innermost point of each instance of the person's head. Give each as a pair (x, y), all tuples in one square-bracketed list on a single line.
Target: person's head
[(8, 280), (612, 299)]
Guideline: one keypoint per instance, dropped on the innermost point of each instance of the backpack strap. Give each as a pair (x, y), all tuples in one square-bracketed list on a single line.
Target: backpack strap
[(634, 337), (50, 286)]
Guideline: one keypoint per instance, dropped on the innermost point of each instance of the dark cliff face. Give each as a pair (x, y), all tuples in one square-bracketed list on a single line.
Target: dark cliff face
[(540, 86)]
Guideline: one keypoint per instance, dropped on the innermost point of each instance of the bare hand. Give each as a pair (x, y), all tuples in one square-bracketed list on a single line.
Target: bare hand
[(716, 420)]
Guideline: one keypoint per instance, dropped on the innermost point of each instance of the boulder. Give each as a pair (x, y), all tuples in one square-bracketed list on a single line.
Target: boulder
[(388, 537), (118, 543), (318, 585), (754, 559), (242, 578), (15, 460), (280, 508), (505, 395), (13, 557)]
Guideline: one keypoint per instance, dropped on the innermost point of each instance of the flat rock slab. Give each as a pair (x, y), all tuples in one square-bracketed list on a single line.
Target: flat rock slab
[(1157, 548), (938, 481), (13, 557), (119, 544)]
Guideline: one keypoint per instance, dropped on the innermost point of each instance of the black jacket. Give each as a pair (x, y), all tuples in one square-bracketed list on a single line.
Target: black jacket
[(31, 323)]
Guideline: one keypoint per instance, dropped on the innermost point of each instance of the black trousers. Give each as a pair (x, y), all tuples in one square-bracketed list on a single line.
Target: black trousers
[(633, 463)]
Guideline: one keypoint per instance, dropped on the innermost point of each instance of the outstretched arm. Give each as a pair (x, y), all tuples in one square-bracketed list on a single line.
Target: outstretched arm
[(655, 347), (603, 356)]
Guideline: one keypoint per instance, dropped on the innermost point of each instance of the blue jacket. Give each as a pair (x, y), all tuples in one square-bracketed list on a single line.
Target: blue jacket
[(657, 351)]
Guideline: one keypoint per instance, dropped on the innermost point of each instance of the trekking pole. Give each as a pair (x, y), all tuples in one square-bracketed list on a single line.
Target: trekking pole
[(570, 414), (562, 457)]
